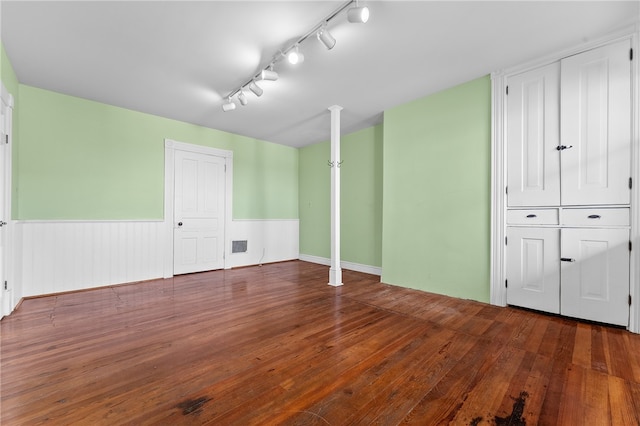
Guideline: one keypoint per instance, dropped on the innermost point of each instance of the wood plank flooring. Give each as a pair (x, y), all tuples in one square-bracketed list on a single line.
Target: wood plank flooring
[(276, 345)]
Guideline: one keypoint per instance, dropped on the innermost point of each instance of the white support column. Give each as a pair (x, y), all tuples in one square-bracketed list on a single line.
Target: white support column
[(335, 272)]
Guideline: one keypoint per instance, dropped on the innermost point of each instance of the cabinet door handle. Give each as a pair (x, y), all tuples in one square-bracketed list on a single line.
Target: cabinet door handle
[(567, 259), (531, 215), (594, 216)]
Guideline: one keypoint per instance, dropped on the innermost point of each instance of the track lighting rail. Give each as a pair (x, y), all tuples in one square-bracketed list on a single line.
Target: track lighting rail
[(268, 68)]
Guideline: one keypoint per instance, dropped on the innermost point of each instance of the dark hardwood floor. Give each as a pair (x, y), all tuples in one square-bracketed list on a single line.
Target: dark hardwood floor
[(276, 345)]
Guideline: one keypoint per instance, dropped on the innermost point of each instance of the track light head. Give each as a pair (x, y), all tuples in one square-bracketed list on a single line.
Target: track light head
[(269, 74), (242, 98), (257, 90), (295, 57), (229, 106), (326, 38), (358, 15)]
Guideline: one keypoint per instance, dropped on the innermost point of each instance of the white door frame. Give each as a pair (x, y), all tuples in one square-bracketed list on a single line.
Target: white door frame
[(170, 147), (7, 297), (498, 169)]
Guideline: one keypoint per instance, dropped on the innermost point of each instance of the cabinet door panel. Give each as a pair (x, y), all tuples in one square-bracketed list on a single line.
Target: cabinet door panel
[(533, 163), (595, 284), (533, 268), (596, 126)]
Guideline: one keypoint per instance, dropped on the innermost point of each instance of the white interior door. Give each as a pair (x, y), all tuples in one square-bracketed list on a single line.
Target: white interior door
[(596, 126), (595, 274), (533, 135), (533, 269), (199, 212)]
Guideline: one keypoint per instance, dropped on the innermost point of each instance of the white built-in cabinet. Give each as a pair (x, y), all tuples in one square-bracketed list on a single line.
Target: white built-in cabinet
[(568, 177)]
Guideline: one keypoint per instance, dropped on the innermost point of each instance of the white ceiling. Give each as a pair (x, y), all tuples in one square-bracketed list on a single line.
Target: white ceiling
[(178, 59)]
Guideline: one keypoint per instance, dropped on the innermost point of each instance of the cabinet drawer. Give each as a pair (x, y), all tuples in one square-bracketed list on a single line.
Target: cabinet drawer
[(532, 217), (595, 217)]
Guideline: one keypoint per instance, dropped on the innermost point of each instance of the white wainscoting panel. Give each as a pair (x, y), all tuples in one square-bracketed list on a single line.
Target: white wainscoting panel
[(270, 240), (68, 255), (59, 256), (358, 267)]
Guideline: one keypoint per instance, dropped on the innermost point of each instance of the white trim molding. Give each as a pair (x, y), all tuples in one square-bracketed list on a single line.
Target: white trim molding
[(358, 267), (8, 295), (170, 147), (497, 293)]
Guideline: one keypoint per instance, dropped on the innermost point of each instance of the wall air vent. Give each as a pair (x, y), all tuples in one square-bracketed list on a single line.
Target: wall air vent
[(239, 246)]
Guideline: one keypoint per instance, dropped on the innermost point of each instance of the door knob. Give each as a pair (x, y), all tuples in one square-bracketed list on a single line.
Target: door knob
[(179, 223)]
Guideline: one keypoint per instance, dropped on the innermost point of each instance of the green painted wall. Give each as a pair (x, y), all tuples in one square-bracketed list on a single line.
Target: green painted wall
[(85, 160), (361, 198), (315, 202), (361, 201), (436, 210), (10, 81)]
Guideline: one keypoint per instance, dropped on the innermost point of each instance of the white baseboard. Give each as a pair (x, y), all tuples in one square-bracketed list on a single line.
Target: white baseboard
[(358, 267)]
